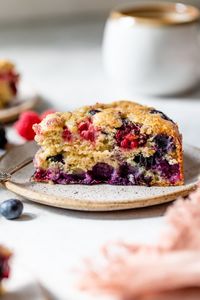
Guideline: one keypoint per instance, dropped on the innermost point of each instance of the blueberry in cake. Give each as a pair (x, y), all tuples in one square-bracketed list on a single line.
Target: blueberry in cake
[(4, 264), (121, 143), (8, 82)]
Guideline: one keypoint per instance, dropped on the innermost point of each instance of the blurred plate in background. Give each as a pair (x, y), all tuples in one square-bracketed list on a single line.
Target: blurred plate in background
[(26, 99)]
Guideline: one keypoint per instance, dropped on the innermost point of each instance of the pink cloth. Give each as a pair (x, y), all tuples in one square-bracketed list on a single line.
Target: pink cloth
[(170, 270)]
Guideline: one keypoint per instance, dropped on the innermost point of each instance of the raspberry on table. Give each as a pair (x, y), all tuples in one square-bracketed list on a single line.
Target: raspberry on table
[(25, 123)]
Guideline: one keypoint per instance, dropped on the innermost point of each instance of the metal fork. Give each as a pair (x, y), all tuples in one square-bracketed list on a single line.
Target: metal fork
[(6, 175)]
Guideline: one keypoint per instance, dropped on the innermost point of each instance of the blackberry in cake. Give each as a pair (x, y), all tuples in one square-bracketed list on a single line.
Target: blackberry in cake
[(8, 82), (4, 264), (121, 143)]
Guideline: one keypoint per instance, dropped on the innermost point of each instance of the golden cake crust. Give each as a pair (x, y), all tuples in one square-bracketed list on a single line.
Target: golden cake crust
[(110, 117)]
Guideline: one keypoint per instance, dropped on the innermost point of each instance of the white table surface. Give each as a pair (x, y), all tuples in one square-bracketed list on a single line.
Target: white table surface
[(63, 63)]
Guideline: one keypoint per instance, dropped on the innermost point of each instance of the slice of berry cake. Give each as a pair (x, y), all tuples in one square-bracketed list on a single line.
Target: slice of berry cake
[(8, 82), (4, 266), (121, 143)]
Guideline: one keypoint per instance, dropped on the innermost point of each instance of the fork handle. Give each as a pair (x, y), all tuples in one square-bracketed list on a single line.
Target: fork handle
[(4, 176)]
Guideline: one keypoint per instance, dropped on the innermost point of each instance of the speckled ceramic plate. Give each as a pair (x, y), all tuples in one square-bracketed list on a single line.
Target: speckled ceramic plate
[(27, 99), (96, 197)]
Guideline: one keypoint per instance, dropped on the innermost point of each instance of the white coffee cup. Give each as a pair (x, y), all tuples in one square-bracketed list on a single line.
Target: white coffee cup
[(153, 49)]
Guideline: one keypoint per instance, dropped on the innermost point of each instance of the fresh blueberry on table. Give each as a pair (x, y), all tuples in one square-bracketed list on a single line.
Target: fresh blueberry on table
[(3, 139), (11, 209)]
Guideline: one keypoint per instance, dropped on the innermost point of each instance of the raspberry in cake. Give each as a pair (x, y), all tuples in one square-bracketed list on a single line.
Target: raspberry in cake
[(4, 266), (122, 143), (8, 82)]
